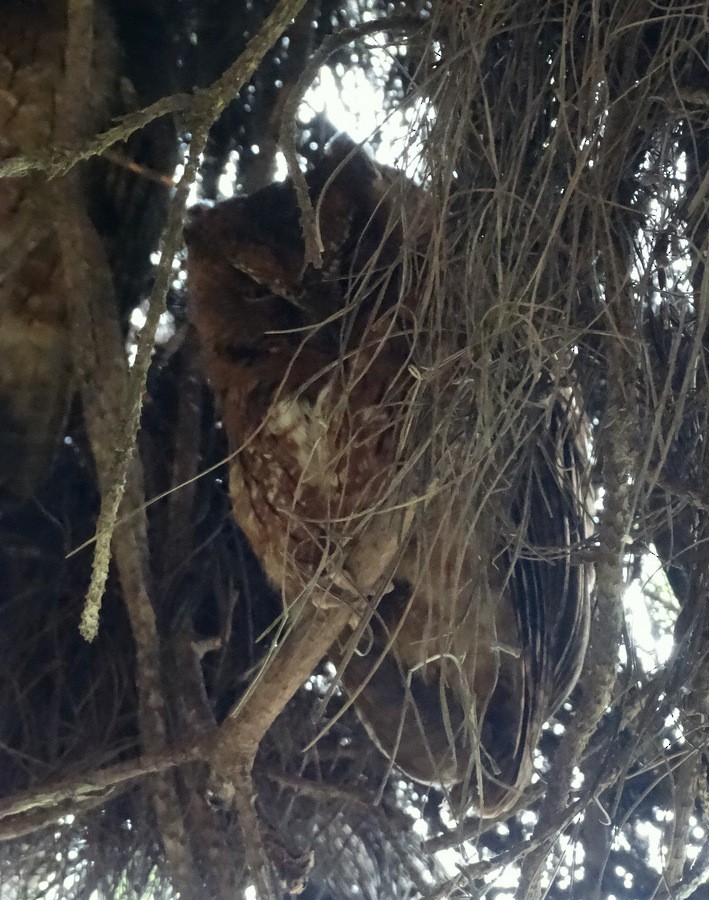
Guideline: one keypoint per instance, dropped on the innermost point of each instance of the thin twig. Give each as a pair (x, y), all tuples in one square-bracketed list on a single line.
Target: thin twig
[(99, 782)]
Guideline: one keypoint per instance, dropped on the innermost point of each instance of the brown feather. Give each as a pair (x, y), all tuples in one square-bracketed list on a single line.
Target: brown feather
[(472, 644)]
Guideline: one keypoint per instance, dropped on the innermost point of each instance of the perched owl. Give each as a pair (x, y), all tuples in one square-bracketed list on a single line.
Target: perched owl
[(473, 620)]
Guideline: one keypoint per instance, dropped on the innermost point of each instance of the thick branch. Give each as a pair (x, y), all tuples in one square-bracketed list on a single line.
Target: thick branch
[(237, 741)]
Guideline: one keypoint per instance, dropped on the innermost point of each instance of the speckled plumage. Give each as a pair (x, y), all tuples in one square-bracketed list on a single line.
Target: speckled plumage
[(458, 667)]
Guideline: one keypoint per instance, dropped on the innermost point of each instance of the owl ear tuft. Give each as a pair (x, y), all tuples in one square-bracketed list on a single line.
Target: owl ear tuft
[(347, 162)]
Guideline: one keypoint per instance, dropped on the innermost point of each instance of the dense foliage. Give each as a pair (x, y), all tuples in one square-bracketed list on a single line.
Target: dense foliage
[(563, 151)]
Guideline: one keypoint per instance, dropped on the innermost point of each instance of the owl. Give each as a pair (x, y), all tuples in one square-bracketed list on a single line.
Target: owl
[(470, 617)]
